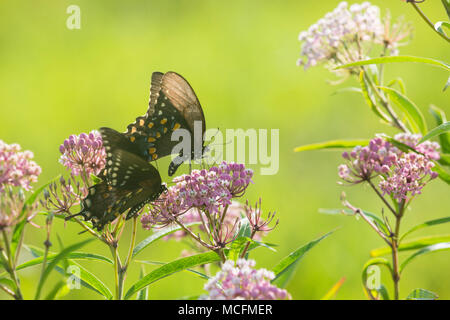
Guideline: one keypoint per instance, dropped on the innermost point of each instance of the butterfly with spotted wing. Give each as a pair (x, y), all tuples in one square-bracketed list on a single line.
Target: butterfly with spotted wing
[(128, 182), (173, 105)]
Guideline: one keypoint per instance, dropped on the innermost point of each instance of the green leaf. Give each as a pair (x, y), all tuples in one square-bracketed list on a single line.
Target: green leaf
[(443, 128), (334, 289), (383, 292), (400, 83), (245, 229), (60, 286), (20, 227), (411, 245), (89, 278), (422, 294), (201, 275), (158, 235), (433, 248), (446, 4), (236, 248), (334, 144), (413, 114), (60, 256), (438, 27), (397, 59), (285, 269), (368, 97), (170, 268), (447, 84), (445, 159), (143, 294), (444, 175), (372, 216), (194, 297), (72, 255), (348, 89), (444, 139), (95, 179), (8, 283), (372, 262), (426, 224)]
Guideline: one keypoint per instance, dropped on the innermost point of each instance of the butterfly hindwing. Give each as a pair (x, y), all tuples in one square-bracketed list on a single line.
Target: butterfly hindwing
[(129, 182)]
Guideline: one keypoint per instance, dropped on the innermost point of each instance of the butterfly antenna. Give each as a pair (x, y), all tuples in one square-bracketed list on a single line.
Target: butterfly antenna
[(73, 215)]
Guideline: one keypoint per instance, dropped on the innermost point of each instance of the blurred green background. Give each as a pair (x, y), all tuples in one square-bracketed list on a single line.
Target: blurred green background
[(240, 57)]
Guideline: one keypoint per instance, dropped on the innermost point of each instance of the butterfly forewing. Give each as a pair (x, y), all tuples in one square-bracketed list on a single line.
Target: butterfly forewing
[(173, 105)]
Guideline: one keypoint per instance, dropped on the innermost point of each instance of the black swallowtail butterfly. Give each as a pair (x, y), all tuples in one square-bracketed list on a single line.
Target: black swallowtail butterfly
[(129, 182), (173, 105)]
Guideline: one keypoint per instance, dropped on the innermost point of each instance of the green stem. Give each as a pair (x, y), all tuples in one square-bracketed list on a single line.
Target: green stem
[(132, 244), (428, 21), (248, 244), (394, 246), (11, 267), (117, 267), (47, 245), (381, 197)]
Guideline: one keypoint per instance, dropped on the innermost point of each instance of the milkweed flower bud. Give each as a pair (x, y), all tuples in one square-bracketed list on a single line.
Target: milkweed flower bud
[(83, 153)]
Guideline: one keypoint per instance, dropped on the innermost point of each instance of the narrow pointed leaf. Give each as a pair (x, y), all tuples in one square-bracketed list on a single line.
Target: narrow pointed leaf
[(158, 235), (334, 144), (425, 225), (368, 97), (433, 248), (170, 268), (422, 294), (334, 289), (443, 128), (413, 114), (60, 256), (397, 59), (372, 216), (411, 245), (440, 117), (91, 279), (143, 294), (285, 269)]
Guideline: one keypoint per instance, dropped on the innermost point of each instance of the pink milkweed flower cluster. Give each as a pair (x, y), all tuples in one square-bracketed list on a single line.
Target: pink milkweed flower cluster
[(409, 175), (346, 34), (402, 173), (234, 212), (208, 190), (364, 163), (243, 282), (17, 169), (12, 209), (83, 154), (429, 148)]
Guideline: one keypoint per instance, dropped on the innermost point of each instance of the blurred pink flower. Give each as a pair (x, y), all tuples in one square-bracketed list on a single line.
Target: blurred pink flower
[(243, 282), (16, 167)]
